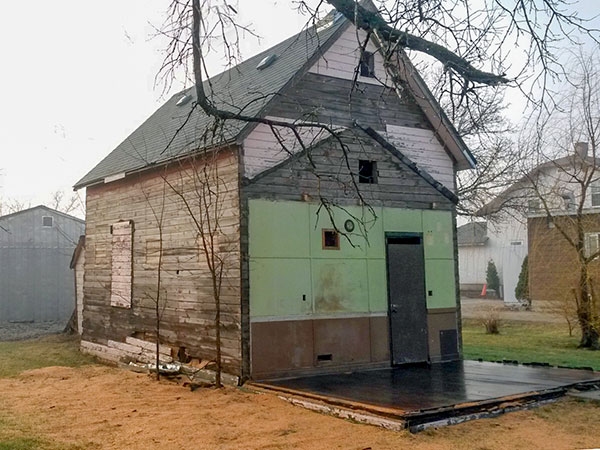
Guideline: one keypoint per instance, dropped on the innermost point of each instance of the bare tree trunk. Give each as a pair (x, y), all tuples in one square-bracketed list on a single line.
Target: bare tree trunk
[(587, 321), (157, 304)]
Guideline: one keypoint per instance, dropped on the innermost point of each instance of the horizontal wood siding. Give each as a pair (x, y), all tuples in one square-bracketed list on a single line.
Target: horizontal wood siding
[(424, 148), (397, 186), (189, 311), (328, 95), (342, 58)]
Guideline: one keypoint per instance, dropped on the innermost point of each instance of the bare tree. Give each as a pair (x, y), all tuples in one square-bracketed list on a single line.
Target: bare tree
[(203, 195), (68, 205), (10, 206), (158, 297), (470, 47), (563, 184)]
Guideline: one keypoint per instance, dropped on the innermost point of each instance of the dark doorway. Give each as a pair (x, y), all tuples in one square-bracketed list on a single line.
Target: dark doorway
[(406, 297)]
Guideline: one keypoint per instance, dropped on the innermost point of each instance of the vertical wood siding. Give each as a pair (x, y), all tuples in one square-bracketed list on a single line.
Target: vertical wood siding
[(188, 317), (36, 282)]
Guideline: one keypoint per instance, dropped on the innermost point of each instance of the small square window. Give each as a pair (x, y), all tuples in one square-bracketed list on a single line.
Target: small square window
[(367, 172), (367, 65), (591, 244), (533, 205), (595, 188), (331, 240), (47, 221)]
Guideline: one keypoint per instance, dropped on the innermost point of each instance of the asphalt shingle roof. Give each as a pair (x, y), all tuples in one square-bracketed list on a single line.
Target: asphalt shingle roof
[(240, 85)]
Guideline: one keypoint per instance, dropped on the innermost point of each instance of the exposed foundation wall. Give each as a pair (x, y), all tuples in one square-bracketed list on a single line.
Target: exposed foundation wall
[(186, 291)]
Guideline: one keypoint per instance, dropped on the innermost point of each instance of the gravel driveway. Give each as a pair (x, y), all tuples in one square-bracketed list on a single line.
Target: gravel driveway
[(20, 331)]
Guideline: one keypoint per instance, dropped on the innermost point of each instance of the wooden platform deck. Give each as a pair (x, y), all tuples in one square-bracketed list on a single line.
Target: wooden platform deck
[(419, 395)]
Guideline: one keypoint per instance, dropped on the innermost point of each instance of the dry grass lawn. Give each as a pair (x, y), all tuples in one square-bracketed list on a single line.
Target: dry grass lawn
[(100, 407)]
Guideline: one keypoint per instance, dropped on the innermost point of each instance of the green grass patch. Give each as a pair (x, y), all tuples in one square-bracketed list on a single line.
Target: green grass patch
[(527, 342), (55, 350)]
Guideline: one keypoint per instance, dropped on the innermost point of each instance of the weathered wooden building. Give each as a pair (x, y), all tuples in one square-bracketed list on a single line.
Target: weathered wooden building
[(36, 284), (298, 296)]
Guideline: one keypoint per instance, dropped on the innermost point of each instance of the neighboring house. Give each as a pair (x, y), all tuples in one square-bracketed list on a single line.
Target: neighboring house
[(298, 296), (504, 243), (36, 284), (77, 264), (552, 261)]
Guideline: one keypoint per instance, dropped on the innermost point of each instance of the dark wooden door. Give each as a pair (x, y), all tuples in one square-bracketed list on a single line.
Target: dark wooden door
[(406, 296)]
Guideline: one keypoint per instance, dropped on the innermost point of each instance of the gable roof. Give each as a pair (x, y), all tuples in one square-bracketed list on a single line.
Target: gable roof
[(243, 84), (472, 234), (44, 207), (169, 133), (564, 163)]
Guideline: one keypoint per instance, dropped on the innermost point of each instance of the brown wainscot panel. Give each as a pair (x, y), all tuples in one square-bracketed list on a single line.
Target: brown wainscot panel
[(342, 341), (380, 339), (284, 345), (438, 320)]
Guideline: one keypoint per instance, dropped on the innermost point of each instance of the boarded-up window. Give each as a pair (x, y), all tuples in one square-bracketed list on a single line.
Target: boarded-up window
[(122, 264)]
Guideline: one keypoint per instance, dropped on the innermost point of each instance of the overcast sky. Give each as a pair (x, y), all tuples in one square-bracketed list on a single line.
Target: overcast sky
[(78, 77)]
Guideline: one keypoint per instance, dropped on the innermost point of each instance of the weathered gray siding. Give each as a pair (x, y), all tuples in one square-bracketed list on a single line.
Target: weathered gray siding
[(36, 283), (397, 186), (188, 306)]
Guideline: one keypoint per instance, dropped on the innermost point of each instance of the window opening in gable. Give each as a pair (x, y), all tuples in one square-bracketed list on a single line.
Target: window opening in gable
[(47, 221), (367, 64), (331, 240), (367, 172)]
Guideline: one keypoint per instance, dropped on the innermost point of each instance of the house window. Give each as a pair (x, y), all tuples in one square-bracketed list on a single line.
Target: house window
[(596, 193), (533, 205), (367, 172), (47, 221), (568, 199), (122, 264), (331, 240), (591, 243), (367, 64)]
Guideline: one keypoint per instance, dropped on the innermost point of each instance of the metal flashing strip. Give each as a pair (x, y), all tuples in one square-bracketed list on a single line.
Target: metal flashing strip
[(316, 317)]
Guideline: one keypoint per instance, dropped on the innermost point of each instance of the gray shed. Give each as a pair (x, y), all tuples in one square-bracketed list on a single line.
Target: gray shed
[(36, 282)]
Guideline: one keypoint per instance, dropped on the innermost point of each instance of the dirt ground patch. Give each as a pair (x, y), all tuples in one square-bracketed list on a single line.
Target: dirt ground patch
[(476, 308), (109, 408)]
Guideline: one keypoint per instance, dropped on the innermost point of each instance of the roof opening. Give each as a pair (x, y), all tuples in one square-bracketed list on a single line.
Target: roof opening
[(266, 62), (183, 100)]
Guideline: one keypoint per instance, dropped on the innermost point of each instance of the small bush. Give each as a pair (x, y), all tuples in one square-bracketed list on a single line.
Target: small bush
[(491, 277), (492, 322), (522, 289)]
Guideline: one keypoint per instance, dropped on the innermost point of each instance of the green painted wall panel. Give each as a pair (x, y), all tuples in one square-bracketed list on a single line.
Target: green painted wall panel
[(277, 286), (340, 286), (287, 259), (377, 277), (279, 229), (439, 279), (437, 234), (408, 220), (322, 221), (376, 244)]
